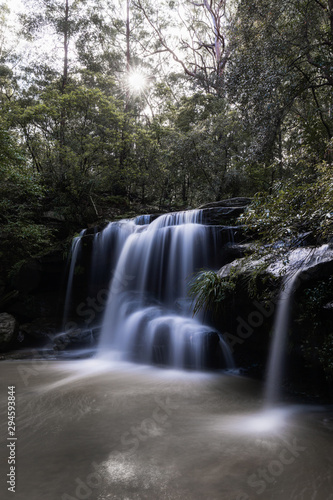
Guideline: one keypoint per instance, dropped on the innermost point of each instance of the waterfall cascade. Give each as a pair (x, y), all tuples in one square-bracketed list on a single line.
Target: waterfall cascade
[(146, 263), (149, 262), (148, 316)]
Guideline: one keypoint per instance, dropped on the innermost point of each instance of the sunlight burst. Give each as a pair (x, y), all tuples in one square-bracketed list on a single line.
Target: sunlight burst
[(137, 81)]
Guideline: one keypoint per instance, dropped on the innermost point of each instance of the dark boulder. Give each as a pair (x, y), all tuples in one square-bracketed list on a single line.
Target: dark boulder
[(74, 339), (8, 331), (40, 329), (221, 215)]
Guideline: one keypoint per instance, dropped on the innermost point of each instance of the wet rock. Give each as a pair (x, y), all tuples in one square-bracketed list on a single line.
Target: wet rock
[(231, 202), (96, 332), (74, 339), (233, 252), (8, 331), (30, 354), (37, 287), (43, 273), (28, 307), (2, 289), (221, 215), (318, 271), (40, 328)]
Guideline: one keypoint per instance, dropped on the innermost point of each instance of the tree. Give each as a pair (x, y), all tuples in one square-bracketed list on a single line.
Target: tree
[(21, 196), (202, 144), (272, 78), (8, 58), (201, 48)]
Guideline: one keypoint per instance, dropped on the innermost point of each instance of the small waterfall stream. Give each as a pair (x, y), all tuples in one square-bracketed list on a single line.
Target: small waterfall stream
[(300, 260), (280, 335), (72, 259)]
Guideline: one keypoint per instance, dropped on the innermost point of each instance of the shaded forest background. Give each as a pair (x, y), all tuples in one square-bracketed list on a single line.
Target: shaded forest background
[(236, 100)]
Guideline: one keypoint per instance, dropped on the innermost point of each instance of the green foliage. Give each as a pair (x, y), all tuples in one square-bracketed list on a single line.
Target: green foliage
[(300, 205), (209, 292), (21, 196), (281, 77), (316, 297), (259, 283)]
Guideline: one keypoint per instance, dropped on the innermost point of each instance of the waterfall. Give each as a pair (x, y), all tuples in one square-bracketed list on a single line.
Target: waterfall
[(73, 256), (280, 334), (148, 317), (107, 246), (142, 220), (299, 260)]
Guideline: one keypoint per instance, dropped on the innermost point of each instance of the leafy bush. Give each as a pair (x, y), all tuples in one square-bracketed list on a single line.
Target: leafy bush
[(21, 196), (209, 291), (303, 204)]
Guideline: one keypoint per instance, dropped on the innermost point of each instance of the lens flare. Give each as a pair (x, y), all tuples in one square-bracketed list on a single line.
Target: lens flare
[(137, 81)]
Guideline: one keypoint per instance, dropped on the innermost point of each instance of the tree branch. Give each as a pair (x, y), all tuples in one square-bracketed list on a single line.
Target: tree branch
[(321, 114)]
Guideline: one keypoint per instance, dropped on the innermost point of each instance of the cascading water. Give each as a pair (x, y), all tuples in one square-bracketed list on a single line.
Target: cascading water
[(299, 260), (148, 316), (278, 347), (142, 220), (73, 256), (107, 246)]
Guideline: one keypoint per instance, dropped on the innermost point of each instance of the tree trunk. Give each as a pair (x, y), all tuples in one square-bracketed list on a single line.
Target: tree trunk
[(280, 152), (64, 81), (128, 32), (66, 42), (330, 13)]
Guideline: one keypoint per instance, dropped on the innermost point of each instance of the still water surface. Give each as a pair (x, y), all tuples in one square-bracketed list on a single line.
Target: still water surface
[(91, 430)]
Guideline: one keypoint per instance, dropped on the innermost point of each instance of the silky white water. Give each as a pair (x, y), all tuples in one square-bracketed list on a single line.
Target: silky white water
[(149, 315)]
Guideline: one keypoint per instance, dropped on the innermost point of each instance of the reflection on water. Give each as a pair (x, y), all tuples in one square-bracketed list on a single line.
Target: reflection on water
[(91, 430), (265, 421)]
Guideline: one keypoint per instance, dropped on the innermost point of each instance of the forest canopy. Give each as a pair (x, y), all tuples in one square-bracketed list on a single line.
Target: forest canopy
[(159, 105)]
